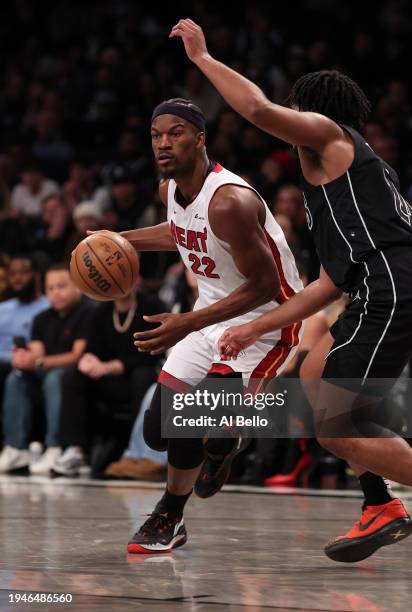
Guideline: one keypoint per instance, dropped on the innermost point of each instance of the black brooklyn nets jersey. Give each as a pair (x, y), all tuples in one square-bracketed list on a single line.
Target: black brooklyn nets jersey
[(360, 223)]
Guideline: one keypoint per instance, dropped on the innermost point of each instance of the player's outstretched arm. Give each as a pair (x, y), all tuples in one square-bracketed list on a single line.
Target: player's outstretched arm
[(298, 128), (155, 238), (302, 305)]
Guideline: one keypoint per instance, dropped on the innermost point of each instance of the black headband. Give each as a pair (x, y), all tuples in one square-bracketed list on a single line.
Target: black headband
[(189, 113)]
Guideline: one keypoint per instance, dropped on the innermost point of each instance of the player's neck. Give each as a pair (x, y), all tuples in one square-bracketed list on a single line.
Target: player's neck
[(191, 184)]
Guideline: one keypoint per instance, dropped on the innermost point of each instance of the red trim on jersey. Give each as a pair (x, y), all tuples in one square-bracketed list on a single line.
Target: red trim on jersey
[(170, 381), (221, 368), (285, 291), (217, 168), (275, 358)]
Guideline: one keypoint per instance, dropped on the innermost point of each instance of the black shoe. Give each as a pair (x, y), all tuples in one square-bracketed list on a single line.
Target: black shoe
[(160, 533), (216, 467)]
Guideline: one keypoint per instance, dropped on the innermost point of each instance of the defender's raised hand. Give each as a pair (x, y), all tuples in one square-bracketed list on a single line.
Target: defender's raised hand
[(192, 37)]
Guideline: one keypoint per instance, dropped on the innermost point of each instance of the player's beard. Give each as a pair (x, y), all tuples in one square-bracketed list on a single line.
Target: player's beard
[(26, 293), (167, 174), (170, 173)]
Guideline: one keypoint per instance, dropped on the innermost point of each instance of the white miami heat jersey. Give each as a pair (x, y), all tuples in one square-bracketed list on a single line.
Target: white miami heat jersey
[(209, 258)]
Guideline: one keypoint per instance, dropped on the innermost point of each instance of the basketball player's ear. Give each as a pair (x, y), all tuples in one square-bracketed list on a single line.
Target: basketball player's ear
[(200, 140)]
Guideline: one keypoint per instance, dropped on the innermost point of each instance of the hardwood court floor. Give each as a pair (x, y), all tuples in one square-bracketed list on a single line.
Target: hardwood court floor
[(246, 552)]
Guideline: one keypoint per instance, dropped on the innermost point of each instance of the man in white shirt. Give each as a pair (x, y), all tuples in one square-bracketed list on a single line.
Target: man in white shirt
[(27, 196)]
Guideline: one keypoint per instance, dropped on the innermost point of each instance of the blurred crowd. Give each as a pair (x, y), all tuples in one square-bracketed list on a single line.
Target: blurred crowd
[(77, 89)]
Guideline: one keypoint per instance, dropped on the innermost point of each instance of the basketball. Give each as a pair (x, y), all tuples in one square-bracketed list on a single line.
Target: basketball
[(104, 266)]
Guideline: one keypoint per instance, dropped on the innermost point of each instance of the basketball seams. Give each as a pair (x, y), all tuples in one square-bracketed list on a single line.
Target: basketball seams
[(104, 267), (126, 255), (91, 287)]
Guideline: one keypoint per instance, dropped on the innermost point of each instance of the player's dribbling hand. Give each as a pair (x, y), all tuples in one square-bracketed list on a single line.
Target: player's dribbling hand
[(101, 231), (192, 37), (172, 328), (234, 340)]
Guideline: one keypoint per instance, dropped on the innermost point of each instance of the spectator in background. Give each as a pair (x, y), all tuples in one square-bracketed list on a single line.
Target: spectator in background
[(225, 143), (86, 216), (55, 228), (6, 171), (27, 196), (289, 202), (139, 462), (130, 154), (5, 293), (17, 313), (17, 157), (198, 89), (101, 127), (254, 146), (112, 370), (80, 185), (271, 176), (125, 204), (49, 146), (57, 341), (387, 148)]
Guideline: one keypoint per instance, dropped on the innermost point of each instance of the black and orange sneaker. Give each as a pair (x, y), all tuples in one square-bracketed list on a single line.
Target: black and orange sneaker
[(378, 526), (216, 467), (162, 532)]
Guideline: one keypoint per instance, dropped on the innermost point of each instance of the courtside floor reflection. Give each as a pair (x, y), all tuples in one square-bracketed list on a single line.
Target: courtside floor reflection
[(245, 551)]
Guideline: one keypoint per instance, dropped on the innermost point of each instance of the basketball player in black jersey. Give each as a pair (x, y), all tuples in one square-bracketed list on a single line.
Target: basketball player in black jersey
[(362, 230)]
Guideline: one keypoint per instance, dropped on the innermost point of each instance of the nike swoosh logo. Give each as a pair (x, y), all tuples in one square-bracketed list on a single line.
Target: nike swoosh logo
[(364, 526)]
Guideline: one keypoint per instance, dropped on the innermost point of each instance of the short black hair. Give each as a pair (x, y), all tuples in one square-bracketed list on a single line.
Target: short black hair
[(58, 267), (4, 261), (53, 196), (333, 94), (33, 166), (25, 257)]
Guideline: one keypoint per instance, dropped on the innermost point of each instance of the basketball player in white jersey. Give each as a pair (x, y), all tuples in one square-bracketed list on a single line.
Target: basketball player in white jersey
[(227, 236)]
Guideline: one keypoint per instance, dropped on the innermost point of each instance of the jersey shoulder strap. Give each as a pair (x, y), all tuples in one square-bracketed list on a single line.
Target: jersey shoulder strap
[(363, 151), (170, 195)]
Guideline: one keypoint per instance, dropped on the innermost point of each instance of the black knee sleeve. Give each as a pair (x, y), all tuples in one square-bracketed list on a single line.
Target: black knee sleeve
[(188, 453), (152, 425), (185, 453)]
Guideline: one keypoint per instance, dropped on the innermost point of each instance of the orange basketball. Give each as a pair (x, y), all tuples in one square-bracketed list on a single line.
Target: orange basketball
[(104, 266)]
